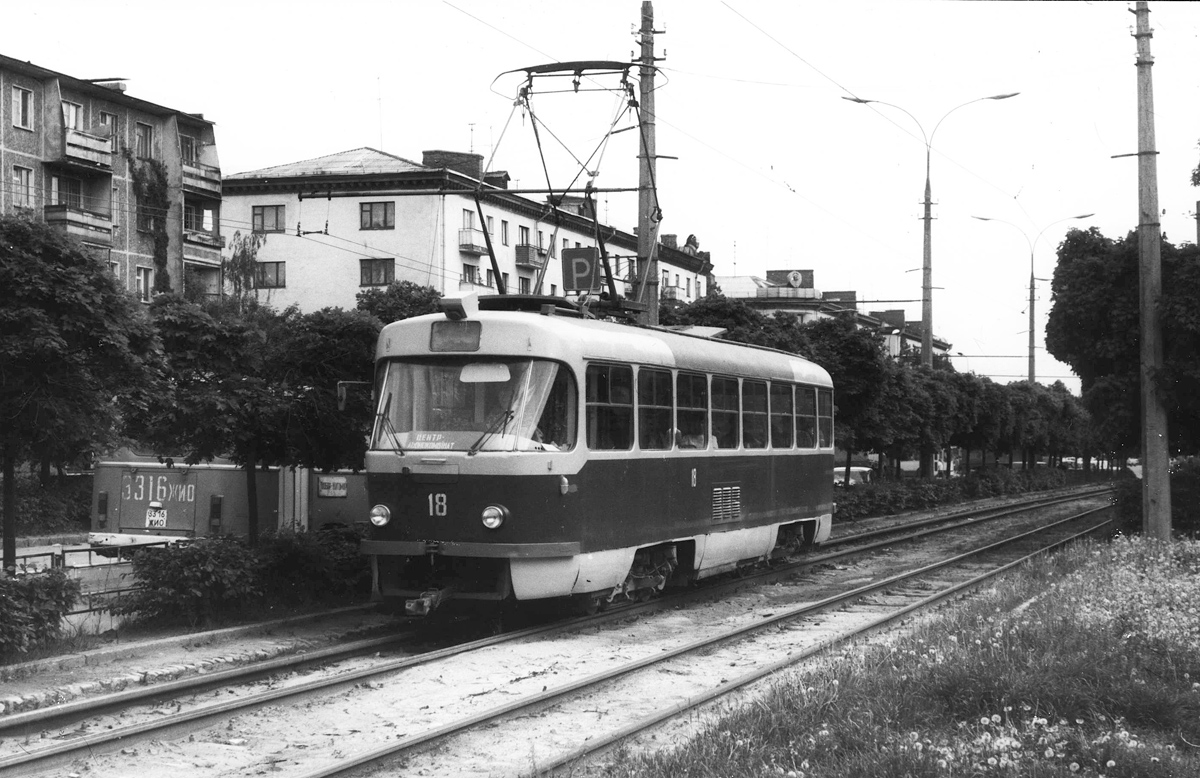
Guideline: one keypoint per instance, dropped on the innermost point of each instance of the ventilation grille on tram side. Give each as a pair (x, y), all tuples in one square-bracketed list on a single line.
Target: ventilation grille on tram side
[(726, 503)]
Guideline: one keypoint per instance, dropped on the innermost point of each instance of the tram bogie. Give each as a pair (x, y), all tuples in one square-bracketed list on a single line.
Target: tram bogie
[(533, 455)]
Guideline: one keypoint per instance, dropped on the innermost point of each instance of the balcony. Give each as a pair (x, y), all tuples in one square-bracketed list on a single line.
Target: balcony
[(530, 256), (200, 178), (472, 241), (672, 293), (85, 225), (90, 151)]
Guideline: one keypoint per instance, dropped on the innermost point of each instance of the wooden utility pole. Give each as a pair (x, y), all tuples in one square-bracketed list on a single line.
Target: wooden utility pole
[(1156, 478), (648, 213)]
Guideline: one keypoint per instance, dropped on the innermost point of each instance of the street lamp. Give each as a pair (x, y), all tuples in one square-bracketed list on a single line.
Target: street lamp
[(1032, 280), (927, 264)]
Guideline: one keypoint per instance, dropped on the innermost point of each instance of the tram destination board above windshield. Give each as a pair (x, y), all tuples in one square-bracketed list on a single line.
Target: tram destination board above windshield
[(455, 336)]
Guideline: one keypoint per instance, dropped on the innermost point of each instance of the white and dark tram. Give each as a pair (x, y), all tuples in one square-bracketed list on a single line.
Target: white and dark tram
[(523, 451)]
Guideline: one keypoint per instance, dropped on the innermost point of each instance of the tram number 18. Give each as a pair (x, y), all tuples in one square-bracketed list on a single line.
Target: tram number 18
[(437, 504)]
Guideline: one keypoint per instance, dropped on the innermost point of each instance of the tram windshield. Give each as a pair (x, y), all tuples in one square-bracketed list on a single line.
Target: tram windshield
[(473, 405)]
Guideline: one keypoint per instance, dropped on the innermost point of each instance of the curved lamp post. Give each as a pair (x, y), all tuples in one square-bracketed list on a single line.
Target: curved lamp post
[(927, 264), (1032, 280)]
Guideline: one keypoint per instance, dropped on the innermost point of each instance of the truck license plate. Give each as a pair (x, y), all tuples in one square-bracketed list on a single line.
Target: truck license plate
[(156, 518)]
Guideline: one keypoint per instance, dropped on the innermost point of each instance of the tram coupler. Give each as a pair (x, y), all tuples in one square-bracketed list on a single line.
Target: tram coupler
[(425, 604)]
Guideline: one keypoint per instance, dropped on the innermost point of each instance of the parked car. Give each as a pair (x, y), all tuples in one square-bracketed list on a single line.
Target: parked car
[(858, 475)]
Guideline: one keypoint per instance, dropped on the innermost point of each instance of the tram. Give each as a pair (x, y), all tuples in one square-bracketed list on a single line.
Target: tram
[(523, 451)]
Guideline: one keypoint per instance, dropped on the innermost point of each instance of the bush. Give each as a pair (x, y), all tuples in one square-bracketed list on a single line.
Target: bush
[(192, 582), (32, 608), (886, 498), (61, 507), (310, 567), (198, 582), (1185, 502)]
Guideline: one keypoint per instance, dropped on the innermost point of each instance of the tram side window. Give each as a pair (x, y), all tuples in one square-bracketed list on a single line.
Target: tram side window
[(754, 414), (725, 411), (654, 409), (782, 426), (825, 417), (609, 407), (806, 417), (691, 417)]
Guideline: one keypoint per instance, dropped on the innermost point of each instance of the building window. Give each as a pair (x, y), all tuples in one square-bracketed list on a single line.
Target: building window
[(523, 233), (666, 279), (115, 269), (377, 216), (554, 290), (109, 120), (376, 272), (468, 219), (72, 115), (491, 226), (689, 287), (22, 187), (145, 283), (188, 149), (505, 277), (22, 108), (504, 232), (145, 141), (268, 218), (523, 285), (67, 191), (470, 274), (270, 275)]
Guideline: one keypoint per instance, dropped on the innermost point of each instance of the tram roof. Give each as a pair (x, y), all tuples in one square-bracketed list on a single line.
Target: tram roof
[(569, 338)]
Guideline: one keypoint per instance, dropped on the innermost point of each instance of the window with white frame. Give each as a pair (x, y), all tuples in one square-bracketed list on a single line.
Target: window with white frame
[(504, 232), (72, 115), (109, 120), (377, 216), (523, 284), (468, 219), (270, 275), (22, 186), (145, 283), (189, 149), (267, 218), (145, 141), (491, 226), (22, 108), (523, 236), (65, 190), (376, 272), (470, 273)]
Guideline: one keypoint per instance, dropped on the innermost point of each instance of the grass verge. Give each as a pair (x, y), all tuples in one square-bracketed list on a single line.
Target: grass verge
[(1082, 664)]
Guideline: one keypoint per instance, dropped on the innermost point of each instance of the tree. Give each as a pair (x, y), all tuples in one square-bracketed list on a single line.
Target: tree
[(259, 387), (856, 361), (400, 300), (1094, 326), (74, 351)]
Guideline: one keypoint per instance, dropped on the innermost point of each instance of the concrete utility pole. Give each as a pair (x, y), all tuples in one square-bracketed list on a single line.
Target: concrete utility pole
[(1156, 477), (648, 215)]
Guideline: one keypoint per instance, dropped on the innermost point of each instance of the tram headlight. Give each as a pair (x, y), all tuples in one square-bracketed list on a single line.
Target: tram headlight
[(380, 515), (493, 516)]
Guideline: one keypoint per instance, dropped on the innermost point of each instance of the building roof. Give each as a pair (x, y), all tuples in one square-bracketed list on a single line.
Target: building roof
[(361, 161), (104, 88)]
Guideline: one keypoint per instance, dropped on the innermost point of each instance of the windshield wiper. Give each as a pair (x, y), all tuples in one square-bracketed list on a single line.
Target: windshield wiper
[(385, 421), (499, 425)]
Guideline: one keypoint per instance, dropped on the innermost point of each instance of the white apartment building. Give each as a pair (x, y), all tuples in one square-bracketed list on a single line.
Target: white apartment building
[(336, 225)]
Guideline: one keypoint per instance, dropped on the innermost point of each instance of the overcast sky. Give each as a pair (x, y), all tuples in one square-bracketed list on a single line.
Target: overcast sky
[(774, 171)]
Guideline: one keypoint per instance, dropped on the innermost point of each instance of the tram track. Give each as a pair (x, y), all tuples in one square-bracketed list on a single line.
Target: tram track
[(77, 741)]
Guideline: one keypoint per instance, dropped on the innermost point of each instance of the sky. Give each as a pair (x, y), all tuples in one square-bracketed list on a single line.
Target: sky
[(762, 158)]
